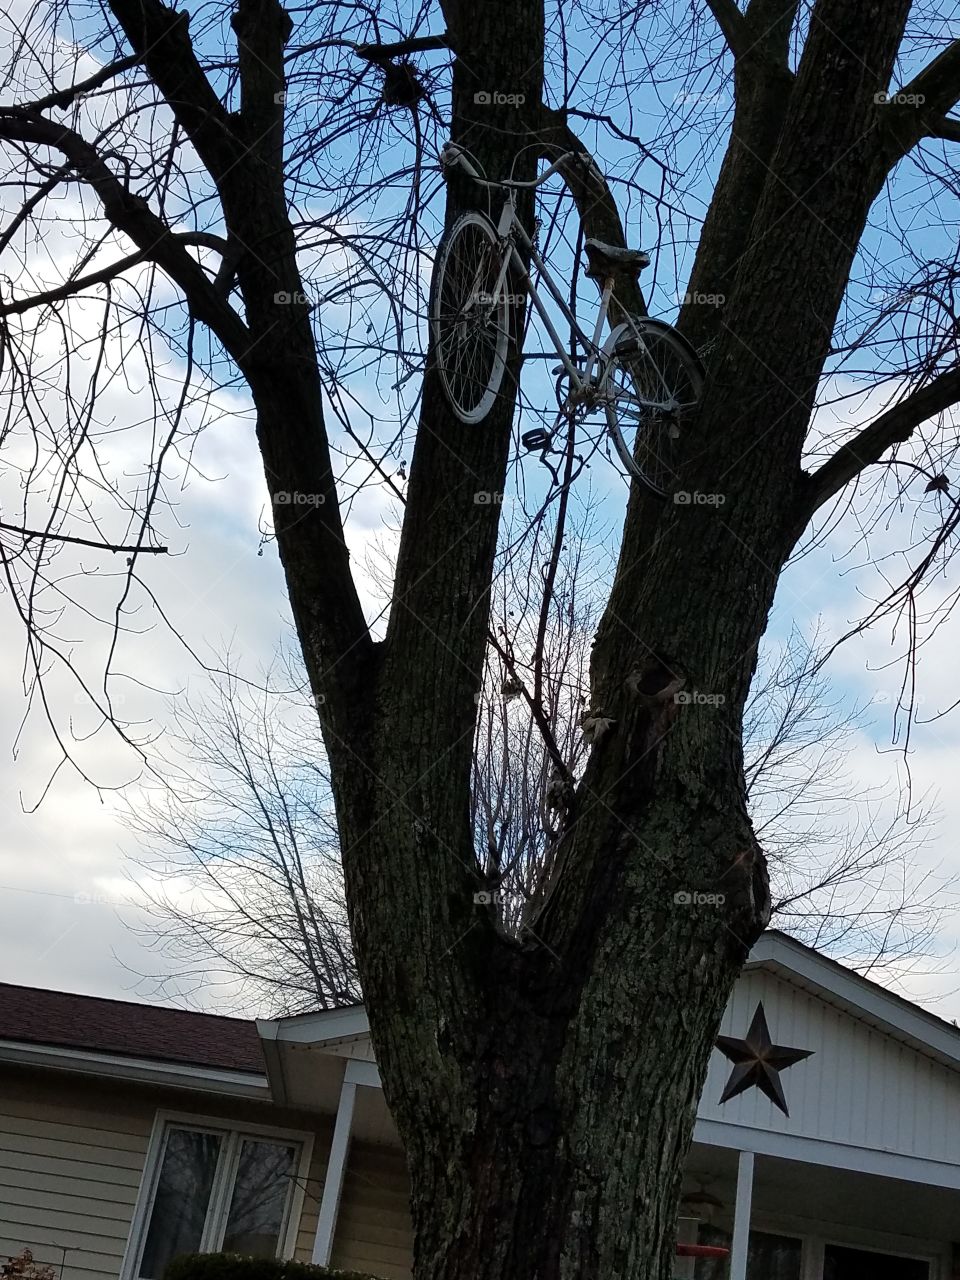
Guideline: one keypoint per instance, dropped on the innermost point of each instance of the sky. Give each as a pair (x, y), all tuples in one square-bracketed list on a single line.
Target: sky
[(68, 910), (66, 902)]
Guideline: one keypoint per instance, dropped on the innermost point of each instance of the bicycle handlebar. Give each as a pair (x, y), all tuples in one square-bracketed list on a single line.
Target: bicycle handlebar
[(452, 156)]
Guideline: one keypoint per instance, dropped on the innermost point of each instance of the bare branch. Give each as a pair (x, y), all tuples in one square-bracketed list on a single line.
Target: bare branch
[(893, 427), (160, 40), (920, 108), (62, 98), (132, 215), (72, 287), (46, 536)]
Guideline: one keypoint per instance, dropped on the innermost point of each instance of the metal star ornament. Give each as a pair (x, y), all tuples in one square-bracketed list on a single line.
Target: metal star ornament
[(758, 1062)]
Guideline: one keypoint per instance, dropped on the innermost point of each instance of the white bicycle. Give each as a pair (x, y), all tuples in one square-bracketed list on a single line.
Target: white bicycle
[(644, 378)]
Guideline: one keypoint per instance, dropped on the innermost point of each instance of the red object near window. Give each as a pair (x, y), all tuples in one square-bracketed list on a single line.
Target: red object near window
[(701, 1251)]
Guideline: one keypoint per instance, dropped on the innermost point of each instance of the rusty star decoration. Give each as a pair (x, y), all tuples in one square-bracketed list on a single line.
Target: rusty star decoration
[(758, 1062)]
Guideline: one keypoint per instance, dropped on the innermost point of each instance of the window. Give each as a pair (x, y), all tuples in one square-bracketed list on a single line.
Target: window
[(769, 1257), (209, 1187), (841, 1263)]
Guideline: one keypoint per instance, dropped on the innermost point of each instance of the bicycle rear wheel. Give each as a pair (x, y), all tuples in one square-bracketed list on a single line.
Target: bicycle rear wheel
[(470, 317), (653, 380)]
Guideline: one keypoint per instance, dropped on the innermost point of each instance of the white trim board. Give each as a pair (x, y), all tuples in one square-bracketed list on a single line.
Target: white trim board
[(175, 1075), (838, 1155), (784, 956), (316, 1028), (334, 1176)]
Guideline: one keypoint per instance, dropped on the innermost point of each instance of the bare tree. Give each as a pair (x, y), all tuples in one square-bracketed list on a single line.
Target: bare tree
[(242, 881), (252, 203), (239, 866)]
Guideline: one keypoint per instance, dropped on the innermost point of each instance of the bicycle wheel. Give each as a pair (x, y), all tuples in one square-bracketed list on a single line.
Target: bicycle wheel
[(471, 326), (652, 382)]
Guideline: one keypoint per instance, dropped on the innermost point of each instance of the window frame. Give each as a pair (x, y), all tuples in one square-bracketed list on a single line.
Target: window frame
[(933, 1263), (232, 1132)]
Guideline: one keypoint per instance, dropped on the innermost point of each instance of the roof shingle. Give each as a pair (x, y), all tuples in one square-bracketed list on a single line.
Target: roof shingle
[(91, 1023)]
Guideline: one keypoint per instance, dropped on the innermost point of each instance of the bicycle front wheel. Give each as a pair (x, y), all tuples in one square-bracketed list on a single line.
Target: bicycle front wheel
[(470, 317), (652, 383)]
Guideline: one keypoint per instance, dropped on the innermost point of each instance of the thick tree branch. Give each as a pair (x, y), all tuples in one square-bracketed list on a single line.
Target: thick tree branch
[(378, 53), (596, 205), (763, 85), (939, 82), (132, 215), (402, 48), (923, 104), (734, 26), (894, 426), (71, 287), (948, 128), (160, 40)]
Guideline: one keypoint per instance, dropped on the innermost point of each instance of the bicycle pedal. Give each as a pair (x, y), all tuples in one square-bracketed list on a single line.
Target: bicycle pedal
[(537, 439)]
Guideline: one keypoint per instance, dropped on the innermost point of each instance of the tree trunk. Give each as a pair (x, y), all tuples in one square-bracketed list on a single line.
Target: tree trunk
[(545, 1090)]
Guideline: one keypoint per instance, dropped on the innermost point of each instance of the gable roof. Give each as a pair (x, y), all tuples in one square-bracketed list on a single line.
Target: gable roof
[(775, 952), (29, 1015), (857, 996)]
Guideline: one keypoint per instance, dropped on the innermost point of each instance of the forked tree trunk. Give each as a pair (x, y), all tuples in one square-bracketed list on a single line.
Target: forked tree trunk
[(545, 1090)]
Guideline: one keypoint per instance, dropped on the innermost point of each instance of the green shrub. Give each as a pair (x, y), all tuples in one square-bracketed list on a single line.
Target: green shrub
[(231, 1266)]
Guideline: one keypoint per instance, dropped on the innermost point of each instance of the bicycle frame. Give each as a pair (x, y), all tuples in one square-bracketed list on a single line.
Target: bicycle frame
[(509, 230)]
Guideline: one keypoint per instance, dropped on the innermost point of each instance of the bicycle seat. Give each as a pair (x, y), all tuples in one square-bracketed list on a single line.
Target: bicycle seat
[(607, 260)]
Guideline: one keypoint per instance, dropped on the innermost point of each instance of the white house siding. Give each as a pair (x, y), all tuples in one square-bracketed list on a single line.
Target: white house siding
[(861, 1087)]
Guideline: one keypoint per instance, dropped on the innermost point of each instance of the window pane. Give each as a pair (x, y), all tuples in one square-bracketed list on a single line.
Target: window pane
[(183, 1196), (769, 1257), (863, 1264), (773, 1257), (261, 1194)]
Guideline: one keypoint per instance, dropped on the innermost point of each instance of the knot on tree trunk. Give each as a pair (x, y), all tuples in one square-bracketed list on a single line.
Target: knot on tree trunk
[(656, 680), (745, 886)]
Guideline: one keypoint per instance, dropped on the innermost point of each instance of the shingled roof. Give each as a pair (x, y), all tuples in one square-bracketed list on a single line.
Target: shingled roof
[(34, 1016)]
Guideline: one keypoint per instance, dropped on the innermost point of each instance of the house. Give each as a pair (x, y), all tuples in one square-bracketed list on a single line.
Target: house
[(827, 1144)]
